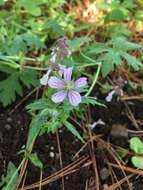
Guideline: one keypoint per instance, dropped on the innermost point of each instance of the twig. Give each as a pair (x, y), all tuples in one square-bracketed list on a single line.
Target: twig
[(60, 155)]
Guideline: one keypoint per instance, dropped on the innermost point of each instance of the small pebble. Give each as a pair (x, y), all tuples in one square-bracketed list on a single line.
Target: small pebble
[(18, 122), (51, 154), (104, 173), (52, 148), (60, 131), (7, 127), (9, 119)]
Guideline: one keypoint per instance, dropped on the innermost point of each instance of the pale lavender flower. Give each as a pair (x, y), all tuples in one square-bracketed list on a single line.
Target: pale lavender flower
[(45, 78), (67, 87), (98, 122)]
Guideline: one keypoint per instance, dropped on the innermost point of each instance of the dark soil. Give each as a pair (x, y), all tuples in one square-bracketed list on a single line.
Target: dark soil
[(13, 135)]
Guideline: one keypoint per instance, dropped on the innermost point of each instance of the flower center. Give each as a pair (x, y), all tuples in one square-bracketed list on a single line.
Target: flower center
[(69, 86)]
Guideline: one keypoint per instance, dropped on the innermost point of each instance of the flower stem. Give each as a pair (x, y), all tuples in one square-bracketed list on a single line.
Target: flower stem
[(88, 58), (95, 80)]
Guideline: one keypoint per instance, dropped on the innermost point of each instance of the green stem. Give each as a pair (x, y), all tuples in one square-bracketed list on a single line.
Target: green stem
[(88, 58), (17, 58), (34, 68), (87, 65), (95, 80)]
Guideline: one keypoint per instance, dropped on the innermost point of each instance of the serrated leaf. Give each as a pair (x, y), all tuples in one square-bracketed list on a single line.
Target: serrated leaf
[(9, 88), (73, 130), (137, 161), (24, 42), (29, 78), (136, 145), (40, 121), (132, 61), (111, 54), (107, 63), (38, 105), (76, 43), (37, 123), (91, 100), (122, 44)]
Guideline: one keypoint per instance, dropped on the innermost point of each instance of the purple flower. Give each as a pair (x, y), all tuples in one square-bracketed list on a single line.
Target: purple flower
[(67, 87)]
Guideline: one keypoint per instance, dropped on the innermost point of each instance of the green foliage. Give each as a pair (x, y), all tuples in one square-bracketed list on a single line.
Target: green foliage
[(32, 7), (136, 145), (91, 100), (23, 43), (10, 181), (11, 86), (38, 105), (137, 161), (54, 29), (73, 130), (112, 53), (35, 160), (122, 152), (77, 42), (117, 10)]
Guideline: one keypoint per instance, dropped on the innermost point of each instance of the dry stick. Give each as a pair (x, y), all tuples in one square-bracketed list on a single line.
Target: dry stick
[(23, 168), (112, 174), (85, 145), (128, 98), (92, 152), (135, 132), (66, 168), (86, 185), (57, 177), (115, 177), (24, 180), (23, 100), (65, 171), (40, 184), (115, 185), (128, 169), (116, 159), (60, 154), (110, 150), (131, 117), (94, 162)]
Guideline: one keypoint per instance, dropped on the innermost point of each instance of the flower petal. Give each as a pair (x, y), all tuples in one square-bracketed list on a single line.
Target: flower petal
[(80, 82), (68, 74), (59, 96), (74, 98), (56, 83), (45, 78)]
